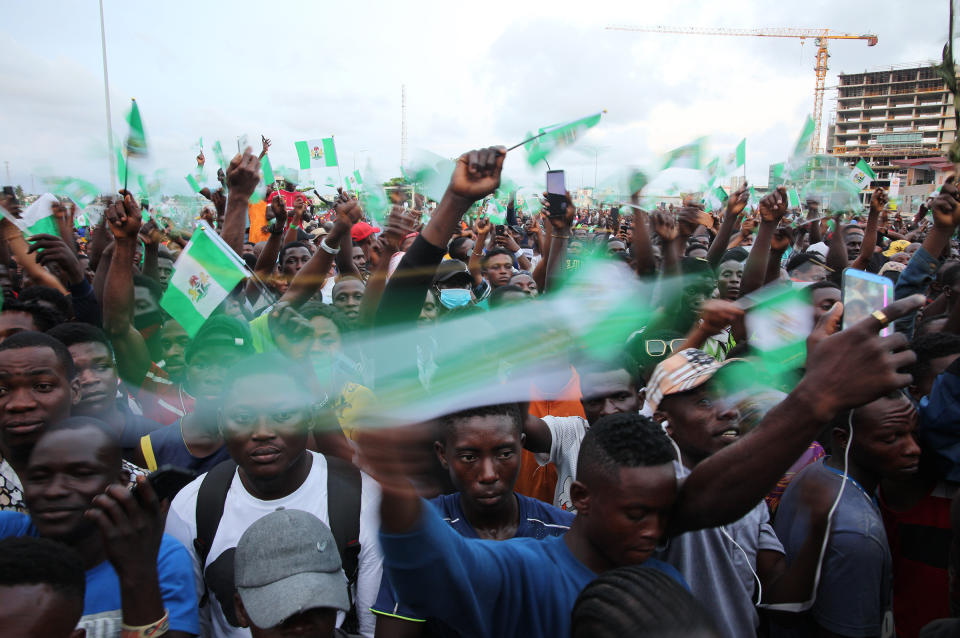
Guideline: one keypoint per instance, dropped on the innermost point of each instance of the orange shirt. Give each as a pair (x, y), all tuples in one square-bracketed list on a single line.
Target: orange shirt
[(540, 481), (258, 219)]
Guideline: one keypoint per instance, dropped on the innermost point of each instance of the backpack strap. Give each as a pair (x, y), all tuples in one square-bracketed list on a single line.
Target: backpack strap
[(211, 498), (343, 508)]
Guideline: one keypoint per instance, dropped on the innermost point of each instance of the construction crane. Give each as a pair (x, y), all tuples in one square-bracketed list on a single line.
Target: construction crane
[(820, 36)]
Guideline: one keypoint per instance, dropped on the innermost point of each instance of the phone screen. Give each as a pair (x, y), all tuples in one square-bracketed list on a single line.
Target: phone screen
[(555, 183), (863, 293)]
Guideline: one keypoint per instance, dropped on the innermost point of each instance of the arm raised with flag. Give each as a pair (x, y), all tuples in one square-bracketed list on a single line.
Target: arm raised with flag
[(243, 175), (772, 209), (133, 359)]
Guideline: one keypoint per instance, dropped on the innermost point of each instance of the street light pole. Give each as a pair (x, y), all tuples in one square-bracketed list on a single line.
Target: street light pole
[(106, 99)]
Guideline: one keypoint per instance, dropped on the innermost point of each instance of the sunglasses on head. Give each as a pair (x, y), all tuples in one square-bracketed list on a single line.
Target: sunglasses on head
[(659, 347)]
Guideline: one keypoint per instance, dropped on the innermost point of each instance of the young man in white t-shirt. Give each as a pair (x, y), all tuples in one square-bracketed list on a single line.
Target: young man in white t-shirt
[(266, 419)]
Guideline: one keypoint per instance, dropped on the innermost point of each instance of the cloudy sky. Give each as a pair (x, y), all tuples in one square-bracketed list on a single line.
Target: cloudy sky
[(475, 73)]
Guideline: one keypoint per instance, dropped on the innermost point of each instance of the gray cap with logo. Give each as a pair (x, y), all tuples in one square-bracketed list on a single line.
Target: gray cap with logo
[(286, 563)]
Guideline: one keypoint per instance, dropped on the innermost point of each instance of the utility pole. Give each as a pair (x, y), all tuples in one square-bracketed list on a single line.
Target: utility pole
[(403, 125), (106, 99), (7, 164)]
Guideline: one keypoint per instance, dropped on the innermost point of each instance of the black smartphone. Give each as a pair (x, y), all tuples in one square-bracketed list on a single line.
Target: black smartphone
[(499, 229), (557, 193), (168, 480)]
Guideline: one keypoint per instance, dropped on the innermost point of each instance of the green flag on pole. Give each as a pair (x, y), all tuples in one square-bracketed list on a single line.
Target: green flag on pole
[(204, 274), (137, 139), (82, 193), (778, 325), (793, 198), (218, 153), (686, 156), (862, 174), (267, 169), (193, 183), (37, 218), (557, 136), (316, 152)]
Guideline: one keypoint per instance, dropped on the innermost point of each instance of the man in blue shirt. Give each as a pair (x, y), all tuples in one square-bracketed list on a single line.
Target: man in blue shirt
[(76, 492), (480, 448)]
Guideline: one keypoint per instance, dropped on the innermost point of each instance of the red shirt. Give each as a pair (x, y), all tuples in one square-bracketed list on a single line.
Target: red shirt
[(161, 399)]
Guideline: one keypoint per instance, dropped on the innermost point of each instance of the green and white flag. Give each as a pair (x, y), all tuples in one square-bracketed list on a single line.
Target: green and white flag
[(736, 159), (777, 174), (716, 198), (82, 193), (193, 183), (754, 200), (862, 175), (778, 325), (204, 274), (797, 162), (686, 156), (218, 153), (357, 178), (38, 218), (316, 152), (495, 211), (137, 139), (267, 169), (557, 136), (793, 198)]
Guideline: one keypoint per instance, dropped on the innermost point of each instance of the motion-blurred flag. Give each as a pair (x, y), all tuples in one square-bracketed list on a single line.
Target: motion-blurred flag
[(793, 198), (558, 136), (82, 193), (37, 218), (736, 159), (193, 183), (316, 152), (686, 156), (778, 325), (204, 274), (862, 175), (357, 178), (137, 139), (218, 153), (495, 211), (267, 169), (796, 163), (716, 198)]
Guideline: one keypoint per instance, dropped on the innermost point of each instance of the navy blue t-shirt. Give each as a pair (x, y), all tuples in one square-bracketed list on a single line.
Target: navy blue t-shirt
[(537, 520)]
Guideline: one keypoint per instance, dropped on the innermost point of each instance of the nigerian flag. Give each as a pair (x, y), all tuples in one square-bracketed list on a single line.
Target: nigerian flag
[(38, 218), (736, 159), (204, 274), (317, 152), (495, 211), (778, 324), (687, 156), (862, 174), (793, 198), (267, 169), (716, 198), (81, 192), (137, 139), (557, 136)]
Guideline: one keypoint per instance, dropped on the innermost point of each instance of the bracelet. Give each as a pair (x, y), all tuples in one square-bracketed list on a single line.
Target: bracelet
[(560, 236), (157, 628), (519, 253), (332, 251)]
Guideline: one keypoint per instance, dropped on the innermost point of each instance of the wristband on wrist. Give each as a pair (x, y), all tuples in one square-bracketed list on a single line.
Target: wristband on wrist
[(519, 253), (559, 236), (326, 247), (157, 628)]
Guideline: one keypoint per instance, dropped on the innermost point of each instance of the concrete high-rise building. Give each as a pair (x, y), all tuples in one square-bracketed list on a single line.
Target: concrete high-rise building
[(899, 119)]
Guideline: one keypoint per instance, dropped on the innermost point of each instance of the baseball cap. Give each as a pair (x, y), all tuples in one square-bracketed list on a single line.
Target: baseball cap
[(221, 330), (362, 230), (683, 371), (896, 246), (820, 248), (451, 270), (287, 562)]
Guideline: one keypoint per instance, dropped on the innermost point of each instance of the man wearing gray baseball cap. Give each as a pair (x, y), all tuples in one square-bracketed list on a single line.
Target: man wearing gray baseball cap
[(289, 578)]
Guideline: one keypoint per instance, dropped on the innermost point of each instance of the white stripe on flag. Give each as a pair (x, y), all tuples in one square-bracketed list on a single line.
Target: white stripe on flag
[(186, 268)]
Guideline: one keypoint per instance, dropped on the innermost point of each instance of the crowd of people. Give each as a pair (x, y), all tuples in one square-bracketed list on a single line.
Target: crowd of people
[(349, 445)]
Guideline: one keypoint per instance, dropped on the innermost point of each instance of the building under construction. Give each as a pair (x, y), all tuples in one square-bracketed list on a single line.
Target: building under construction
[(900, 120)]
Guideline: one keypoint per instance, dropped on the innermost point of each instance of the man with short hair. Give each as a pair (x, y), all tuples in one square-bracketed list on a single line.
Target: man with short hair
[(77, 490), (41, 589), (193, 441), (480, 449), (347, 296), (266, 413), (871, 442), (497, 267), (17, 316), (99, 380), (289, 577)]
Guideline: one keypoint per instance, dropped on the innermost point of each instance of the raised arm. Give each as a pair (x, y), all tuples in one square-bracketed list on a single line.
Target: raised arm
[(243, 175), (878, 203), (263, 269), (772, 209), (475, 175), (133, 358), (735, 205), (311, 277), (559, 238), (399, 225), (482, 228), (844, 370)]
